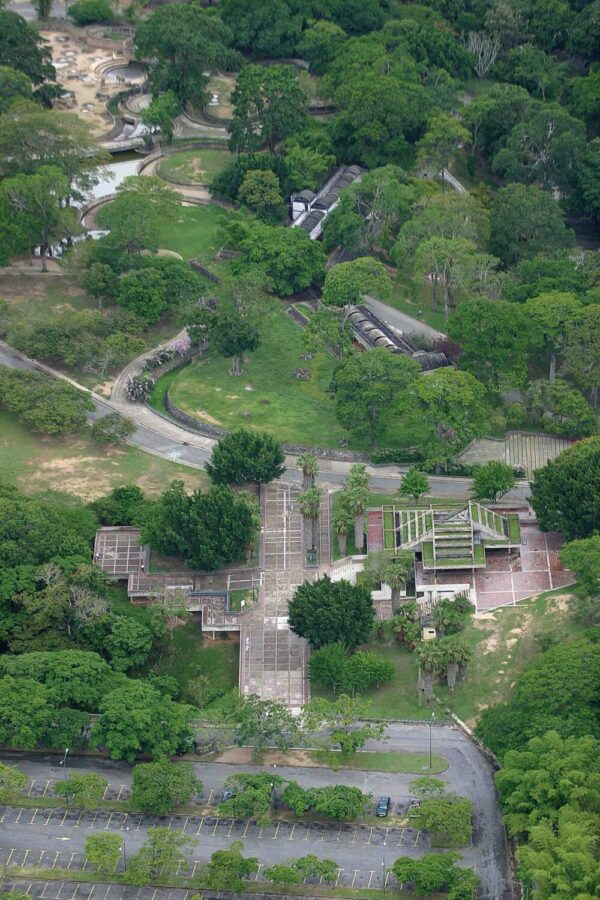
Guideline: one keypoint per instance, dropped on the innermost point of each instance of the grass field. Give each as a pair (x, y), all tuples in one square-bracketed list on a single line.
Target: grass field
[(77, 465), (401, 298), (193, 232), (293, 410), (198, 166), (503, 642), (382, 761)]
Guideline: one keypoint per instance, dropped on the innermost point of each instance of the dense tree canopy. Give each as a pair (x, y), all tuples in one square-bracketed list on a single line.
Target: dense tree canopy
[(208, 529), (186, 43), (325, 611), (566, 492), (243, 456)]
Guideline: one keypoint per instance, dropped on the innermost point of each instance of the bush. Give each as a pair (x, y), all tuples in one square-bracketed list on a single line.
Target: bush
[(112, 429), (138, 388), (86, 12)]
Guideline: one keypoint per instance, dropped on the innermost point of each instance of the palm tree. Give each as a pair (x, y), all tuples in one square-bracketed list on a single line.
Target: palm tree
[(456, 655), (309, 464), (310, 507), (396, 575), (357, 491), (342, 522), (430, 656)]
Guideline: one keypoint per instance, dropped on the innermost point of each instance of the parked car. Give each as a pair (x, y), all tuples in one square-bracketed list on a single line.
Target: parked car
[(228, 793), (413, 809), (383, 806)]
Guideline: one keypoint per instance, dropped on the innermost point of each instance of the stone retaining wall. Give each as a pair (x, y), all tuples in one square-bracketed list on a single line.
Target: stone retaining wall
[(214, 432)]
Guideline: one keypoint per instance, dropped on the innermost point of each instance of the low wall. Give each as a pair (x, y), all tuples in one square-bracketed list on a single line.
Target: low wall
[(296, 449)]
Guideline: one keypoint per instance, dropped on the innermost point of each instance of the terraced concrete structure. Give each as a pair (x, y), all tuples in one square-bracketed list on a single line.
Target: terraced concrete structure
[(447, 539)]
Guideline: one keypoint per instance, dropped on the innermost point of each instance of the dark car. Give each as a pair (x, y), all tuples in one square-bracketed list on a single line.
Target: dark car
[(383, 806), (228, 793)]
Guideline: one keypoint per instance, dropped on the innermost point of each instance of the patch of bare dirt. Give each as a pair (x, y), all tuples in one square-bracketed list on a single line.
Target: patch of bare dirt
[(202, 414), (78, 475), (560, 602), (152, 483)]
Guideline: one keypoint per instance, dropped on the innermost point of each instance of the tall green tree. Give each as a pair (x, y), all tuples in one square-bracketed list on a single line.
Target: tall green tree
[(161, 785), (23, 48), (440, 259), (526, 221), (325, 611), (583, 557), (228, 869), (14, 85), (38, 204), (163, 855), (344, 722), (12, 782), (245, 455), (287, 257), (264, 722), (581, 350), (208, 529), (565, 493), (441, 143), (269, 106), (493, 337), (136, 719), (347, 283), (343, 521), (186, 43), (309, 464), (414, 484), (356, 496), (449, 404), (550, 315), (82, 789), (161, 113), (365, 387), (33, 138), (103, 851), (309, 501), (492, 480)]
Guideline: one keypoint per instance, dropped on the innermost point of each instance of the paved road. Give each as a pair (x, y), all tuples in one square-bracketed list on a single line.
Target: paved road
[(188, 448), (398, 319), (359, 851)]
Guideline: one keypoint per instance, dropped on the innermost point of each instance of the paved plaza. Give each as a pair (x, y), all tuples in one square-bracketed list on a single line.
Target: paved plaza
[(511, 576)]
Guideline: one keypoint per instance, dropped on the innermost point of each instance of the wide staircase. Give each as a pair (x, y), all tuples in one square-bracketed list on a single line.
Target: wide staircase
[(453, 545)]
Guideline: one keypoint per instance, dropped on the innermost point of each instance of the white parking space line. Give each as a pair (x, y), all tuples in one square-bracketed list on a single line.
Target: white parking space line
[(276, 831), (371, 873), (199, 827), (292, 834), (354, 877)]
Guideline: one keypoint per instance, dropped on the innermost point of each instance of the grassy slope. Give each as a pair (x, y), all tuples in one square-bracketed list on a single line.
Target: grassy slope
[(191, 656), (503, 644), (194, 166), (75, 464)]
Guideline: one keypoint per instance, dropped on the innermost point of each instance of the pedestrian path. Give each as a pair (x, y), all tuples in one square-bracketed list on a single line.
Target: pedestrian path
[(273, 659)]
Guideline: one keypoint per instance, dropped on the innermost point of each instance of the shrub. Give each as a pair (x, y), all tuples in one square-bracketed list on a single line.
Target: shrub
[(86, 12), (138, 388)]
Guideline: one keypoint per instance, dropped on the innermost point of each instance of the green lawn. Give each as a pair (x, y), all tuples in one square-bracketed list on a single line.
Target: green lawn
[(503, 643), (382, 761), (401, 298), (193, 232), (77, 465), (198, 166), (293, 410), (398, 699)]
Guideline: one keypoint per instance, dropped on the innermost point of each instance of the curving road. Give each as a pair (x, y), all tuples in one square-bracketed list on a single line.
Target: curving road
[(160, 436)]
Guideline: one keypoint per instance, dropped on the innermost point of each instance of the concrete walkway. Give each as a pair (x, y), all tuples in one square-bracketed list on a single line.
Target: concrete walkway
[(272, 658)]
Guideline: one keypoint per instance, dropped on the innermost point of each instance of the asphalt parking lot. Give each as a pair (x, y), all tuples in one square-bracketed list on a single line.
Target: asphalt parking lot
[(55, 838)]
